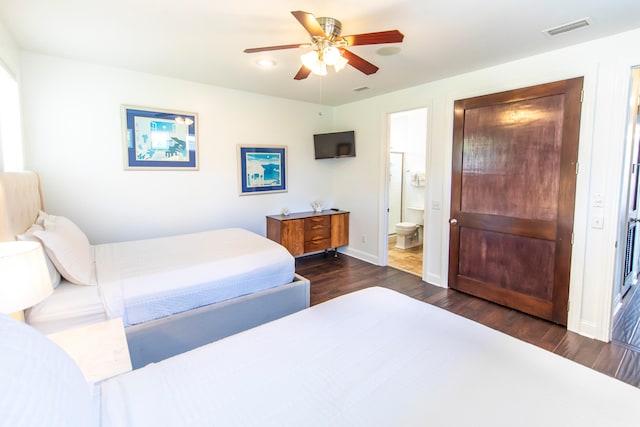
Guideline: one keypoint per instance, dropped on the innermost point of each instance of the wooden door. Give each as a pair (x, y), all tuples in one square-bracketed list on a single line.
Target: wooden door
[(512, 196)]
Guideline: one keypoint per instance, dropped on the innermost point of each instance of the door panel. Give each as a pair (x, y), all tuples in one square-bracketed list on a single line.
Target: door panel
[(513, 150), (512, 200)]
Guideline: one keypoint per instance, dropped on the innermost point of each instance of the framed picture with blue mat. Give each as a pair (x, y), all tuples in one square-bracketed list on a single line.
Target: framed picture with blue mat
[(159, 139), (263, 169)]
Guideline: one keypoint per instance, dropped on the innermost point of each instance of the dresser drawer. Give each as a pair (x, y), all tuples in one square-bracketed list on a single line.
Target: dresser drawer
[(316, 223), (318, 244), (317, 233)]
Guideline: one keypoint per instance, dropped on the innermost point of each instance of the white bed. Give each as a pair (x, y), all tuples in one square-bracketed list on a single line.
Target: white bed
[(173, 293), (149, 279), (371, 358)]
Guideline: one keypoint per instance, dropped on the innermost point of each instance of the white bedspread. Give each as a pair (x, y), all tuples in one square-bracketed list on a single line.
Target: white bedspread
[(149, 279), (371, 358)]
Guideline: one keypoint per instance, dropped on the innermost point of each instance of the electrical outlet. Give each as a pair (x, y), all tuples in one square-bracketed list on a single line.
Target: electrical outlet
[(597, 221), (364, 238)]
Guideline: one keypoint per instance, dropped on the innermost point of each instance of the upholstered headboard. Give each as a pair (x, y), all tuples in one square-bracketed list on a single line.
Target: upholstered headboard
[(20, 202)]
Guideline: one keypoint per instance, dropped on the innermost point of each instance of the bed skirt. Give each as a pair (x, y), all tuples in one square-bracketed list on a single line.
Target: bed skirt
[(162, 338)]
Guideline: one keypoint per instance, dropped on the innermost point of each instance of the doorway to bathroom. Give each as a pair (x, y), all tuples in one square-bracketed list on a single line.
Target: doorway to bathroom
[(406, 198)]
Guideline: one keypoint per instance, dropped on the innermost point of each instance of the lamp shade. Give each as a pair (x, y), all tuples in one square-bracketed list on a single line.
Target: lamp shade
[(24, 278)]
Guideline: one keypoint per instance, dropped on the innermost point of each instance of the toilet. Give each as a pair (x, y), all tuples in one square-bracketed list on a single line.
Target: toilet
[(409, 234)]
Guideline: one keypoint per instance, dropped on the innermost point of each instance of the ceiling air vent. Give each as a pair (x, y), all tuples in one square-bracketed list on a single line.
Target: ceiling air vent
[(360, 89), (565, 28)]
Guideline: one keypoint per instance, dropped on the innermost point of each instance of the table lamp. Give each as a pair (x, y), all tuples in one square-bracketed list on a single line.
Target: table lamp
[(24, 277)]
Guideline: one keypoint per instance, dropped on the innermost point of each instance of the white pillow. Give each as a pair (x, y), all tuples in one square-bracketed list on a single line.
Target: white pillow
[(69, 249), (42, 216), (39, 383), (28, 235)]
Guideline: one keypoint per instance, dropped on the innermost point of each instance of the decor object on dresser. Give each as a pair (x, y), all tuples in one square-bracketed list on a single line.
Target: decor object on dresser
[(174, 293), (306, 232), (159, 139), (24, 277), (262, 169)]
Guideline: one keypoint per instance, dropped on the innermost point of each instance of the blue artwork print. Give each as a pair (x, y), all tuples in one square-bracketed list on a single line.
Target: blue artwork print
[(160, 139), (263, 169)]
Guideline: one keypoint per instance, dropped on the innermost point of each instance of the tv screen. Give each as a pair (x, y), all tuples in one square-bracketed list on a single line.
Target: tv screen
[(334, 145)]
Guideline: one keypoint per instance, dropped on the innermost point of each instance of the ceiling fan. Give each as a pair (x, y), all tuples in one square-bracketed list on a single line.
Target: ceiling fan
[(329, 47)]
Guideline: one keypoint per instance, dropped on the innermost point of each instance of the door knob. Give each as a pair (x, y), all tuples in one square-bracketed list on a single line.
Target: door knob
[(453, 221), (633, 220)]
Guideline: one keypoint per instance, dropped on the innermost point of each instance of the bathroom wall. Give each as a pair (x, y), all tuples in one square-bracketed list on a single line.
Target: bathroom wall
[(408, 135)]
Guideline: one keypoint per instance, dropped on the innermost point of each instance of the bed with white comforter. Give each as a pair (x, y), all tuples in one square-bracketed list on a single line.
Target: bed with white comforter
[(371, 358), (148, 279), (173, 293)]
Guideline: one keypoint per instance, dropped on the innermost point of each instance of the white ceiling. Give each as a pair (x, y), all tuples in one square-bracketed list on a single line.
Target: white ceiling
[(203, 40)]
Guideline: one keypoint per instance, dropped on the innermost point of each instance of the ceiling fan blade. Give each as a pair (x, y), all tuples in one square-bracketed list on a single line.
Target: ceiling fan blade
[(303, 73), (310, 23), (284, 46), (359, 63), (391, 36)]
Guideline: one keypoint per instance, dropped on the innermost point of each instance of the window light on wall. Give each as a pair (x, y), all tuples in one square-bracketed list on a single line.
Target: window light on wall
[(11, 150)]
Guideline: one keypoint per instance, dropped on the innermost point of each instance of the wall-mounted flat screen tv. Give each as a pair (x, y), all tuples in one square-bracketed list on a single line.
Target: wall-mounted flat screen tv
[(334, 145)]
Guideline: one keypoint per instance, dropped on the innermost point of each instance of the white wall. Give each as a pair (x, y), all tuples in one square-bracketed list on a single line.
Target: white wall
[(72, 114), (605, 64)]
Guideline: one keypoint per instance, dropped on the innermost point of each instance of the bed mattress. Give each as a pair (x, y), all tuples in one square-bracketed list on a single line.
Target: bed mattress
[(371, 358), (149, 279)]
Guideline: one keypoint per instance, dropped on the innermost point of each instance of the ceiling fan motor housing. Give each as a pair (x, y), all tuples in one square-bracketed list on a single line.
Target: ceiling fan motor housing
[(331, 26)]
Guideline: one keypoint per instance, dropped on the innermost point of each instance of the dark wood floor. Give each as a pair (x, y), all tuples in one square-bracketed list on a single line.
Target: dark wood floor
[(626, 325), (331, 277)]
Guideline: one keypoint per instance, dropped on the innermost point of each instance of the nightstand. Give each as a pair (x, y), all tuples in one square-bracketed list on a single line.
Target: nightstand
[(100, 349)]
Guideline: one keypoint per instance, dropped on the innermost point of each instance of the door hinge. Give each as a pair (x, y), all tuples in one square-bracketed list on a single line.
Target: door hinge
[(577, 167), (572, 237), (568, 306), (581, 95)]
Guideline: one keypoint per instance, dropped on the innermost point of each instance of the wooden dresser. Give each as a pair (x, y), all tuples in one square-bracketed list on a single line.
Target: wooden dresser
[(305, 232)]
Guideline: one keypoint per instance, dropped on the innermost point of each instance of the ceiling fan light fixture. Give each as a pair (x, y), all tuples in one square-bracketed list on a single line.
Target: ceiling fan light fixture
[(331, 55), (310, 59), (340, 63), (320, 69)]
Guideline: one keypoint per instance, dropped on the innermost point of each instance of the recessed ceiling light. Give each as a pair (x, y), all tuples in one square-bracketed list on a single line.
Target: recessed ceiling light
[(266, 63)]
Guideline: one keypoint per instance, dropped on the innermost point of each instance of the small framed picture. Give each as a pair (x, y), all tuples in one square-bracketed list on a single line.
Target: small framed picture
[(262, 168), (157, 139)]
